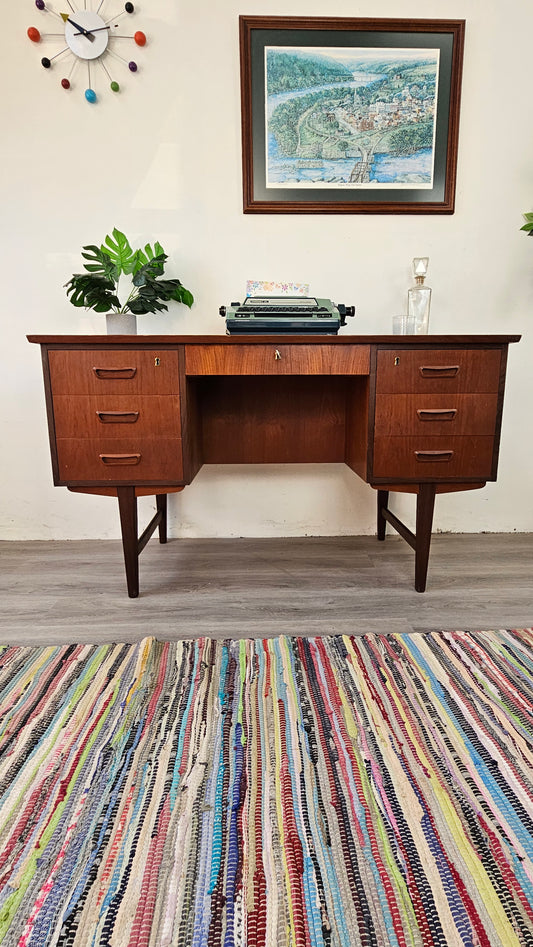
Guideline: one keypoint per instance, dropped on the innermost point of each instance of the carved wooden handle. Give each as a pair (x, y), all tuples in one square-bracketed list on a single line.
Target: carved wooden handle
[(439, 371), (117, 417), (120, 460), (428, 456), (436, 414), (111, 373)]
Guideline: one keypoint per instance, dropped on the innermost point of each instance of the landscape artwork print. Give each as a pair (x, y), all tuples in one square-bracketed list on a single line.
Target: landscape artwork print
[(350, 118)]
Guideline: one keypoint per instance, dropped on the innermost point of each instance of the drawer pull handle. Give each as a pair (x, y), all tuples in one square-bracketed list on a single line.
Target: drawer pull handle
[(428, 456), (277, 355), (112, 373), (117, 417), (436, 414), (120, 460), (439, 371)]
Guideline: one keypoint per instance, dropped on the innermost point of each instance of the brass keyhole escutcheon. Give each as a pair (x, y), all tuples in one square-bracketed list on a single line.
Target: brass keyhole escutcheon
[(157, 361), (397, 360), (277, 355)]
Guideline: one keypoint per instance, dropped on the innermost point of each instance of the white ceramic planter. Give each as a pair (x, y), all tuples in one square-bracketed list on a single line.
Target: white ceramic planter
[(121, 323)]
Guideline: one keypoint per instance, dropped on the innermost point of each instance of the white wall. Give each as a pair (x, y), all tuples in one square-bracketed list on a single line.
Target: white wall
[(162, 159)]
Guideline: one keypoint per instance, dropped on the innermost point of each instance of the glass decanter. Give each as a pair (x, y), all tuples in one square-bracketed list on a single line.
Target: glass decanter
[(419, 296)]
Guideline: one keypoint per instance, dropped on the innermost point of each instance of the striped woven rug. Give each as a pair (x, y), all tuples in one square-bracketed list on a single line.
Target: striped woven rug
[(286, 792)]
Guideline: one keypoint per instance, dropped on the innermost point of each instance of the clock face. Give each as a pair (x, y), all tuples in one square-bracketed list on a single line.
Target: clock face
[(97, 44), (91, 43)]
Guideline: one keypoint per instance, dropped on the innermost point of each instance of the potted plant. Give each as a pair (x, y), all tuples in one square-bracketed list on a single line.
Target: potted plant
[(528, 226), (107, 265)]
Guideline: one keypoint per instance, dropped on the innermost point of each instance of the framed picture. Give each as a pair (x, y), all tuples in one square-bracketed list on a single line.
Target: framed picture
[(350, 116)]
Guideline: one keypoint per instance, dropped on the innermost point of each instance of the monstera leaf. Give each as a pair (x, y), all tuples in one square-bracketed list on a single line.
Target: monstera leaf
[(150, 270), (93, 292), (149, 255), (118, 249), (100, 263)]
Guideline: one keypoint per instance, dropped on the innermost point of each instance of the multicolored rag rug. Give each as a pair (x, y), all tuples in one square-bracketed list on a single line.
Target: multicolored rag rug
[(369, 791)]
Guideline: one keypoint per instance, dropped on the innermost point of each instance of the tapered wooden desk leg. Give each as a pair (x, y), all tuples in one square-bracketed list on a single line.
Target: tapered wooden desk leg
[(127, 503), (425, 505), (383, 499), (161, 504)]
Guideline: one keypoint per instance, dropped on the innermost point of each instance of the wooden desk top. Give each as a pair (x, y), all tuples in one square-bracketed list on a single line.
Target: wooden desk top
[(302, 339)]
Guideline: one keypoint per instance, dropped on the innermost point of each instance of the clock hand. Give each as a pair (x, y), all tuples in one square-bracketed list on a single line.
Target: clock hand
[(85, 32), (97, 30)]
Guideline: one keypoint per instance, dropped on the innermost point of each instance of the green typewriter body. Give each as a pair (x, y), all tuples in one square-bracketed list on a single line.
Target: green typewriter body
[(274, 315)]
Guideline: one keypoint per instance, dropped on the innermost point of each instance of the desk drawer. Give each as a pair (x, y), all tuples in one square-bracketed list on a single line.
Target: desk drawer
[(432, 414), (433, 458), (438, 370), (130, 459), (107, 416), (152, 371), (277, 359)]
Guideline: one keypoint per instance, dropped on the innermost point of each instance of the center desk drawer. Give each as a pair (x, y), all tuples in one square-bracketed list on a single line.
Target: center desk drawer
[(437, 370), (277, 359), (124, 371)]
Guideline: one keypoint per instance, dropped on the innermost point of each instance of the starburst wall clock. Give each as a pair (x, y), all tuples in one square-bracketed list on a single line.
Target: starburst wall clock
[(94, 43)]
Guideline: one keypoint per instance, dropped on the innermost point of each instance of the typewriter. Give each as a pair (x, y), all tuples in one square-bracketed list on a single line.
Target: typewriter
[(273, 315)]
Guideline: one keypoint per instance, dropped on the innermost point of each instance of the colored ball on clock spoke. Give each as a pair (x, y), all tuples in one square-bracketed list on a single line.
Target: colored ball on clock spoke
[(140, 38), (129, 8), (90, 95), (132, 66), (39, 4), (114, 86), (45, 62), (65, 83), (34, 34)]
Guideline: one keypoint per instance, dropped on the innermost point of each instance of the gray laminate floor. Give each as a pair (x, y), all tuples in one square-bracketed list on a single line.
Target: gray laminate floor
[(52, 592)]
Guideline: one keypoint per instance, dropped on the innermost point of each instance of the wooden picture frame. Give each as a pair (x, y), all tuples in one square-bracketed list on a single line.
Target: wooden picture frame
[(350, 116)]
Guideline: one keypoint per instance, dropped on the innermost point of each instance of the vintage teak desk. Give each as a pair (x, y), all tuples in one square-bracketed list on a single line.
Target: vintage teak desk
[(136, 415)]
